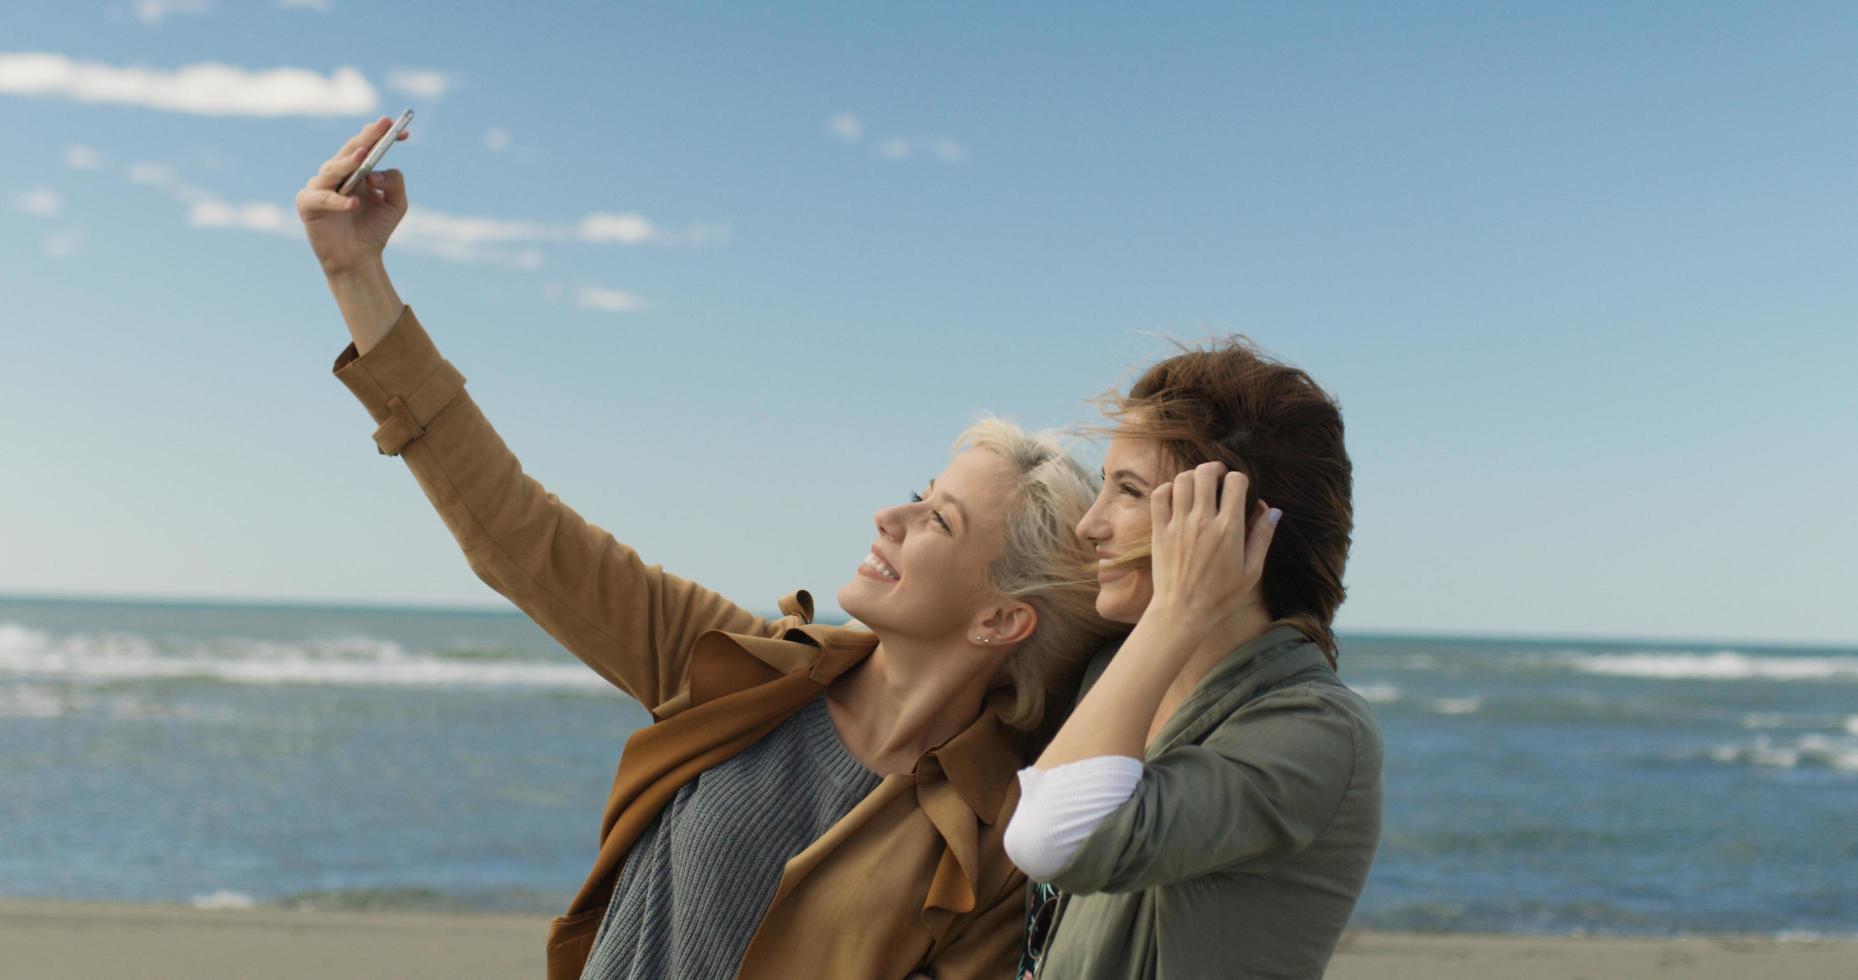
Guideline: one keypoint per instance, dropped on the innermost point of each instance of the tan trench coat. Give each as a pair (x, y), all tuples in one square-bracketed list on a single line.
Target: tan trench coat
[(914, 877)]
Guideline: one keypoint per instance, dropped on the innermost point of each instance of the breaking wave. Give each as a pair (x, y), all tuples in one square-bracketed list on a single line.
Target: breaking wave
[(352, 660)]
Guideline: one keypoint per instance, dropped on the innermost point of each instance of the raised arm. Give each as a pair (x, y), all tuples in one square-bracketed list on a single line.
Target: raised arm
[(632, 623), (1206, 569), (1206, 572)]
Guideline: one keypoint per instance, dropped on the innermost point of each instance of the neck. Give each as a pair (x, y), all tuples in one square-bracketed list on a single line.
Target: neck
[(905, 699), (1218, 645)]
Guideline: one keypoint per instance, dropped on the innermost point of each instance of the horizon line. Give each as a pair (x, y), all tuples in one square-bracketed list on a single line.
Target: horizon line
[(508, 609)]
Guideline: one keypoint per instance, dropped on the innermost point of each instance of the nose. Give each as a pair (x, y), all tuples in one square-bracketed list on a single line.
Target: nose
[(1090, 526), (890, 523)]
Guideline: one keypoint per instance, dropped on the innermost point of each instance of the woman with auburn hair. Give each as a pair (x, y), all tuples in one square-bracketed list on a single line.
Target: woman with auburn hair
[(1213, 805), (809, 800)]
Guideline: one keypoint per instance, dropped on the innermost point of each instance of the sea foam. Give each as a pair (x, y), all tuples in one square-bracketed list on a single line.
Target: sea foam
[(223, 899), (1723, 665), (1378, 693), (1828, 751), (26, 652), (28, 701)]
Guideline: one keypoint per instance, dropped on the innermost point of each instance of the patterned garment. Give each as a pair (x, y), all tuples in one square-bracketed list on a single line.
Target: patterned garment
[(695, 884), (1043, 902)]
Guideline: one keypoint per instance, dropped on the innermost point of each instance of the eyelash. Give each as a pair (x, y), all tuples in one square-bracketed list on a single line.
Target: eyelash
[(917, 498), (1131, 491)]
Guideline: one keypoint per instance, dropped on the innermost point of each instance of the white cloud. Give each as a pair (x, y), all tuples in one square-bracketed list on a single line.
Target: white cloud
[(79, 157), (262, 216), (206, 209), (152, 11), (421, 222), (42, 202), (497, 140), (710, 234), (947, 150), (941, 147), (463, 238), (156, 174), (320, 6), (60, 244), (845, 126), (418, 83), (459, 238), (161, 175), (607, 300), (848, 127), (629, 229), (208, 88)]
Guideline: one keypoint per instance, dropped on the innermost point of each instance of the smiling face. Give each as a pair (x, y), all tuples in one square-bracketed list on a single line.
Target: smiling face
[(926, 576), (1119, 523)]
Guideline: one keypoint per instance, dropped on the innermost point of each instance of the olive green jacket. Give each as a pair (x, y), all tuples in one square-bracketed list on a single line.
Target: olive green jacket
[(1248, 839)]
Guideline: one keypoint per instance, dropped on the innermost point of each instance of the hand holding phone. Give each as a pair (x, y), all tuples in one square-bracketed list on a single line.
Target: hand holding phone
[(348, 232), (374, 155)]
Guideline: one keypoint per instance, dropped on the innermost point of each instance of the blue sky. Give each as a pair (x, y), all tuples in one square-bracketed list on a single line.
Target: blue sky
[(729, 279)]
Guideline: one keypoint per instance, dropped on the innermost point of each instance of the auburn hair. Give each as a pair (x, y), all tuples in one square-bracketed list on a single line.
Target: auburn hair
[(1232, 403)]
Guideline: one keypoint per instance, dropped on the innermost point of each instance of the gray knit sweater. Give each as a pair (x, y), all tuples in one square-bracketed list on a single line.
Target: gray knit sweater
[(696, 883)]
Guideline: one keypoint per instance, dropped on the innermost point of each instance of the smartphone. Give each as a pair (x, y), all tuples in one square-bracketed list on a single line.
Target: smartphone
[(374, 156)]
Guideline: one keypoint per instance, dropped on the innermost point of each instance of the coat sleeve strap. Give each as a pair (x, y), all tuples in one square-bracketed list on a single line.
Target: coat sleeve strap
[(408, 417)]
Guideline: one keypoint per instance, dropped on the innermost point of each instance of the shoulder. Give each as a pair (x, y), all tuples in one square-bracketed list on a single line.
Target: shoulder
[(1312, 716)]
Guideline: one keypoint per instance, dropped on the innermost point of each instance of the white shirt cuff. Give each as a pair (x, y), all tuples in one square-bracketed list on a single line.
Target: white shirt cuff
[(1059, 807)]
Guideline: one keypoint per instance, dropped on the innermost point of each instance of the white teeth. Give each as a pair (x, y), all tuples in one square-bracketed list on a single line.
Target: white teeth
[(877, 564)]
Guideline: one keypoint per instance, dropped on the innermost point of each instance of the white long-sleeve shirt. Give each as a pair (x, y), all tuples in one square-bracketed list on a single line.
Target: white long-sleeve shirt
[(1059, 807)]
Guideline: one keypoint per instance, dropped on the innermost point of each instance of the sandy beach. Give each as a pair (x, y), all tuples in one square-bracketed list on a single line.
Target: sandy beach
[(69, 940)]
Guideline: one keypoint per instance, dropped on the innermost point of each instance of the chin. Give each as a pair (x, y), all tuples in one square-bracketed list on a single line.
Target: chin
[(849, 600), (855, 600), (1123, 601)]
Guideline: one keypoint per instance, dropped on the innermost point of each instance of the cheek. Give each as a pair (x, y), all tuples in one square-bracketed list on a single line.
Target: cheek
[(1133, 521), (941, 568)]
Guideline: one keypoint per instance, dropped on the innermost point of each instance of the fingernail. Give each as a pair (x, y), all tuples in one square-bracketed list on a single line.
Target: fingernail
[(1273, 515)]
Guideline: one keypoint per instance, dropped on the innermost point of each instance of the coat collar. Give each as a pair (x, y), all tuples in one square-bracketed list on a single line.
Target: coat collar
[(978, 762), (1259, 664)]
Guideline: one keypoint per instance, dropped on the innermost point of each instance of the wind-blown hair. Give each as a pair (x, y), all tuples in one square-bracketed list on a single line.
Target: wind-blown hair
[(1232, 402), (1044, 564)]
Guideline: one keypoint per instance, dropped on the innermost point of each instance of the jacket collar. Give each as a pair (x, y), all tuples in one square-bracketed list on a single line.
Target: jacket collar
[(960, 785), (1257, 665), (978, 762)]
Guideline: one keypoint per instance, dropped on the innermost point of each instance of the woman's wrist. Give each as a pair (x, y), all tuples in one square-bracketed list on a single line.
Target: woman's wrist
[(1188, 627), (368, 302)]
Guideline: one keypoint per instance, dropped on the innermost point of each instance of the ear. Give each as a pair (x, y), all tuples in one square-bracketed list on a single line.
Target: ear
[(1004, 625)]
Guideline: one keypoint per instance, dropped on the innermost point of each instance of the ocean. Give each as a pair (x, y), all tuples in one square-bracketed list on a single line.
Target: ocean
[(323, 757)]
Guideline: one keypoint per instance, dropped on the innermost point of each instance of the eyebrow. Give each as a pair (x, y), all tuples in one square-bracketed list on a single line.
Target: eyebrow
[(953, 501)]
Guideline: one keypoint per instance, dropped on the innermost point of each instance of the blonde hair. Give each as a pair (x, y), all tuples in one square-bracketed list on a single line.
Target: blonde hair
[(1044, 564)]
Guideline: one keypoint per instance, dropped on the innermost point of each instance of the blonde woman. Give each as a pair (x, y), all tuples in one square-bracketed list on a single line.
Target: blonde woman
[(810, 800)]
